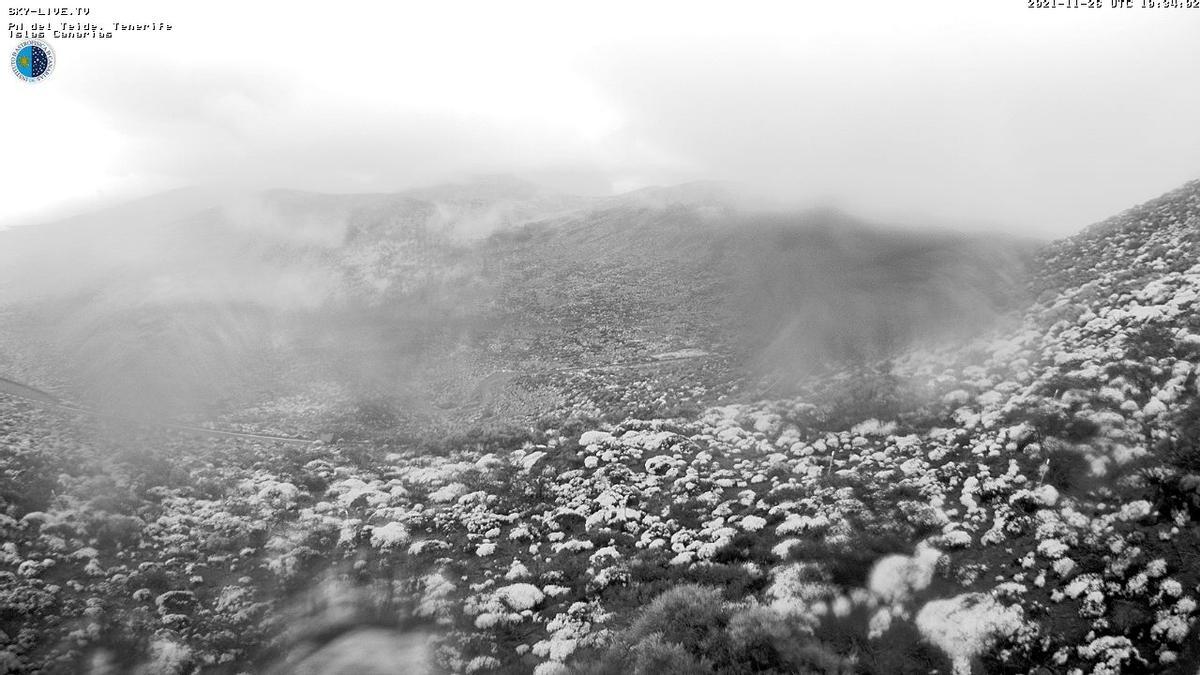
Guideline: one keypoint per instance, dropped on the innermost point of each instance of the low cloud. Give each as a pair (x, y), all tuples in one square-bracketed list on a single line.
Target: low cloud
[(981, 117)]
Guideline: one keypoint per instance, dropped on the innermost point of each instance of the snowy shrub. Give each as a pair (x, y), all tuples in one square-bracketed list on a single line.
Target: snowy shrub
[(895, 578), (169, 657), (519, 597), (389, 536), (850, 564), (966, 626)]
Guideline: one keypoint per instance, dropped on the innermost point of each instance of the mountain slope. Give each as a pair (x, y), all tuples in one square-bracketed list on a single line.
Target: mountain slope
[(1022, 501), (406, 297)]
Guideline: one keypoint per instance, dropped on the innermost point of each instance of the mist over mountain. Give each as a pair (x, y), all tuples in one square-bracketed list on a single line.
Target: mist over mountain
[(625, 338), (193, 302), (488, 428)]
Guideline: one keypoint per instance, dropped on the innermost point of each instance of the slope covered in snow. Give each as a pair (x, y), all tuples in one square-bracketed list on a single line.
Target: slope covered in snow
[(1022, 501)]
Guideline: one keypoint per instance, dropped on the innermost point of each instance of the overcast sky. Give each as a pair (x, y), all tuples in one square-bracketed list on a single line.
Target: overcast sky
[(974, 114)]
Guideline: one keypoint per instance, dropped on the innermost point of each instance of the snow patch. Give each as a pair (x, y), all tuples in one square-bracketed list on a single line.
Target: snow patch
[(966, 626)]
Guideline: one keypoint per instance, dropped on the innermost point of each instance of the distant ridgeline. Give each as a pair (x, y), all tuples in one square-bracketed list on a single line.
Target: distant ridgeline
[(210, 307)]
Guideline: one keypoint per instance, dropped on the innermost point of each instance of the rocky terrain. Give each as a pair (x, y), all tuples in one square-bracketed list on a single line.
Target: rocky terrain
[(421, 301), (1022, 499)]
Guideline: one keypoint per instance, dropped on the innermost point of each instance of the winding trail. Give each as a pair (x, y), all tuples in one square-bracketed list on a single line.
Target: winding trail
[(14, 388)]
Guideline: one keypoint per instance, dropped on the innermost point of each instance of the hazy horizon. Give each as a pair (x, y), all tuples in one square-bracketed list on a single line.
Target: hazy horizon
[(531, 337), (174, 203), (985, 117)]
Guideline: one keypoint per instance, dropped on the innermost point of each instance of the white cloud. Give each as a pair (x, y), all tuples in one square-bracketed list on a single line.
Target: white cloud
[(987, 111)]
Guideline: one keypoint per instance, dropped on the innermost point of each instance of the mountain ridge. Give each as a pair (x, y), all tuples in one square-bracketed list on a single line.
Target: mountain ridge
[(393, 278)]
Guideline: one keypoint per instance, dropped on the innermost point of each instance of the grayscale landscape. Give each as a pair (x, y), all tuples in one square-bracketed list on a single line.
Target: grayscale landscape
[(785, 366)]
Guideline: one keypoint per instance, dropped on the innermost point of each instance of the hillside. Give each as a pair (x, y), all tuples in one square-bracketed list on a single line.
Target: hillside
[(437, 295), (1022, 499)]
